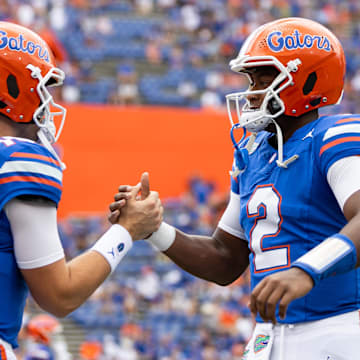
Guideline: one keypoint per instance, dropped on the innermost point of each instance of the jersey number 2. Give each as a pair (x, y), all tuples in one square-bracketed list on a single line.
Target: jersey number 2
[(264, 205)]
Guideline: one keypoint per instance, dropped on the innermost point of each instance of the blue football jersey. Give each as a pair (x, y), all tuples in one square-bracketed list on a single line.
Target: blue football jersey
[(287, 212), (26, 168)]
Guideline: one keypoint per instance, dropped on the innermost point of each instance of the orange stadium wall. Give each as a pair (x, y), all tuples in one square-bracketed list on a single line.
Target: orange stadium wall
[(105, 146)]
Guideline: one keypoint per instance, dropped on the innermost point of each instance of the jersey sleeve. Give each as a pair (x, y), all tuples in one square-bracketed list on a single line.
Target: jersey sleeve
[(230, 220), (340, 140), (28, 168)]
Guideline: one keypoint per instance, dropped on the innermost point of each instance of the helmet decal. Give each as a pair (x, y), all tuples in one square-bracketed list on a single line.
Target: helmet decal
[(277, 41), (21, 44)]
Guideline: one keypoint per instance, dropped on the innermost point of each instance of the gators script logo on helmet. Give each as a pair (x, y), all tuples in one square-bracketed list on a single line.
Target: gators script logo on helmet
[(23, 45), (277, 41)]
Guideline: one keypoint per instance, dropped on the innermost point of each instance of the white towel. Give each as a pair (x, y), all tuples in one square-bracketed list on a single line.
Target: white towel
[(260, 344)]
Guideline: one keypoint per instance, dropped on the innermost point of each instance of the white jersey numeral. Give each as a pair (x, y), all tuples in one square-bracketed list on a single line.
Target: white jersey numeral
[(264, 205)]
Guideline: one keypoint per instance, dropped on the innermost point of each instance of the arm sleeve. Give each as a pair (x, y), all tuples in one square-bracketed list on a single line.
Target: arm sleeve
[(343, 177), (230, 221), (36, 238)]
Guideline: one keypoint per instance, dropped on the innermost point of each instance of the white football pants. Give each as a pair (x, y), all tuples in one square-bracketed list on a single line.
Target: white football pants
[(333, 338)]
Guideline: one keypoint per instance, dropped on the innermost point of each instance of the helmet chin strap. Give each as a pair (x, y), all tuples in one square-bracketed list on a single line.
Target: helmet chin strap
[(241, 154), (280, 162), (43, 137)]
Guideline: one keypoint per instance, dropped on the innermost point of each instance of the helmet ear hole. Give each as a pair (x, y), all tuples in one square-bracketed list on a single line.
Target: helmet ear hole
[(309, 83), (2, 105), (12, 86)]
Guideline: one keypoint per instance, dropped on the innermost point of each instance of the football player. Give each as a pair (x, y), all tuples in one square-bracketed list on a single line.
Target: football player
[(294, 210), (31, 254)]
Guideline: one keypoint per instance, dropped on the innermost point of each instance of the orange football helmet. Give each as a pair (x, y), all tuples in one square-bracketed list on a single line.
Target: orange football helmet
[(27, 67), (311, 65)]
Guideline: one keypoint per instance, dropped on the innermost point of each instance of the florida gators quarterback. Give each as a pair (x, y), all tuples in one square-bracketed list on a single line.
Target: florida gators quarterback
[(31, 254), (294, 210)]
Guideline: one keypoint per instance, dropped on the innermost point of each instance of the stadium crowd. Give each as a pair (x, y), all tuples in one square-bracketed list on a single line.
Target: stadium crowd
[(173, 53), (168, 52)]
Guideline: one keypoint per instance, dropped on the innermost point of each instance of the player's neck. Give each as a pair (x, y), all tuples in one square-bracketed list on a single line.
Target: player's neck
[(22, 130), (6, 129), (290, 124)]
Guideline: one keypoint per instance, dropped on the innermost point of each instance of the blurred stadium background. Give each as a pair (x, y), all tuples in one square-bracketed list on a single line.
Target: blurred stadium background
[(145, 90)]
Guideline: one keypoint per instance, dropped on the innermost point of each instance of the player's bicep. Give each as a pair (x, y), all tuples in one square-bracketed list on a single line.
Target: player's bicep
[(352, 206), (236, 249), (34, 229), (231, 235), (344, 180)]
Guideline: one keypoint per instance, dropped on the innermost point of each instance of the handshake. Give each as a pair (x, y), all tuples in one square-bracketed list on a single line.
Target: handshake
[(137, 209)]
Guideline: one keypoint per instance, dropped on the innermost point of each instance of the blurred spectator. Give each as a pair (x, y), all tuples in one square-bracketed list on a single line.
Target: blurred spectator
[(127, 88), (57, 17), (355, 81), (148, 284), (210, 98), (190, 18), (25, 15), (126, 350), (144, 7), (187, 90)]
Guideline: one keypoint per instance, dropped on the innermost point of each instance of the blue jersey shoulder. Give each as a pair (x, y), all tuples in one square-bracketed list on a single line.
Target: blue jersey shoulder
[(28, 168), (336, 137)]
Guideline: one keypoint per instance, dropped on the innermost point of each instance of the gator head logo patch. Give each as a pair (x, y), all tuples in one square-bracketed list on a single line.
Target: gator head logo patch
[(261, 342)]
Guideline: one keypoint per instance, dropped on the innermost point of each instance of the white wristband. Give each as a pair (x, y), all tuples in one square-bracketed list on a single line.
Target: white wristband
[(164, 237), (114, 245)]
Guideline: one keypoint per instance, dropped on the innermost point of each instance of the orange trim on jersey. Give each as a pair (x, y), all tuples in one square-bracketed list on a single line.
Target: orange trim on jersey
[(258, 217), (36, 156), (337, 142), (343, 121), (2, 353), (30, 179)]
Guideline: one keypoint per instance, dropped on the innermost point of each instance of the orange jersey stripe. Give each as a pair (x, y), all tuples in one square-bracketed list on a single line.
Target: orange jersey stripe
[(343, 121), (2, 353), (36, 156), (337, 142), (30, 179)]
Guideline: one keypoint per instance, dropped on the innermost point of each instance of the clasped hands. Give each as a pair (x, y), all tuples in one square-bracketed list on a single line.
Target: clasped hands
[(137, 209)]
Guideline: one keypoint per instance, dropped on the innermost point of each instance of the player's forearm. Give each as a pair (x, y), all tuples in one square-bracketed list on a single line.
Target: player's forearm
[(65, 286), (61, 287), (85, 274), (204, 257)]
